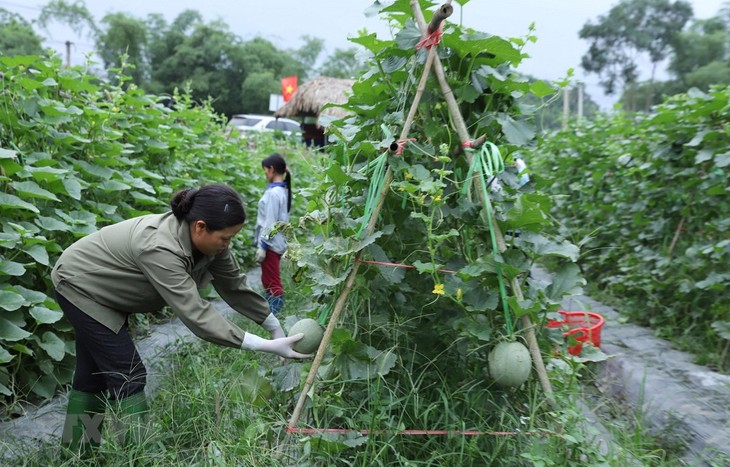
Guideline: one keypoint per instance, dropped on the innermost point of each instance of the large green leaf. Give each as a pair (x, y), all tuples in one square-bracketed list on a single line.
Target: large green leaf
[(13, 202), (517, 132), (47, 174), (11, 268), (52, 224), (5, 357), (566, 280), (11, 300), (45, 315), (53, 345), (8, 154), (38, 253), (526, 214), (10, 332)]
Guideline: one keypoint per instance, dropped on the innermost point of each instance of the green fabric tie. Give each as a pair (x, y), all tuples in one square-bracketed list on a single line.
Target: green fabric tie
[(487, 162)]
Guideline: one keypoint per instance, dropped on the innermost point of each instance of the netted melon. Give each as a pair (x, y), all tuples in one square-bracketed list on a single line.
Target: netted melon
[(509, 364), (313, 333)]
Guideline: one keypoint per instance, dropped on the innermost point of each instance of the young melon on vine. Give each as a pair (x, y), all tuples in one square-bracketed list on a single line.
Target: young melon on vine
[(313, 334), (509, 364)]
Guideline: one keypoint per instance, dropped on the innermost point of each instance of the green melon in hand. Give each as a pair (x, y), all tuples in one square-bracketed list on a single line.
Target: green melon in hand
[(509, 364), (313, 333)]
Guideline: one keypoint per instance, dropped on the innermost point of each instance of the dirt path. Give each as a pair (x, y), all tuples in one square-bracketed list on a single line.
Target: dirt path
[(644, 372), (679, 399)]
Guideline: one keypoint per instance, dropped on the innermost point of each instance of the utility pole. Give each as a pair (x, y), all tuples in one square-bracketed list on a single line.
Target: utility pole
[(68, 54), (580, 101), (566, 107)]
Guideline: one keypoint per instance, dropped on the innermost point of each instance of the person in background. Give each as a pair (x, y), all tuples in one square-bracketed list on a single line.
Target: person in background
[(138, 266), (521, 167), (274, 208)]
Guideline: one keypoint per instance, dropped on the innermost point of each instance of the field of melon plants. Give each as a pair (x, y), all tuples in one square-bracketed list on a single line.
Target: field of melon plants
[(647, 197), (410, 242)]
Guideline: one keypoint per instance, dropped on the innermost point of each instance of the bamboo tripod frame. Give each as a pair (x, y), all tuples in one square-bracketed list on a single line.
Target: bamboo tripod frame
[(441, 14)]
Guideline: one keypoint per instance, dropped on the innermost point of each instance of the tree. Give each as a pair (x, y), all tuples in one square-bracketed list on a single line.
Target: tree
[(74, 15), (706, 41), (256, 90), (124, 36), (17, 36), (632, 28), (308, 54), (343, 63)]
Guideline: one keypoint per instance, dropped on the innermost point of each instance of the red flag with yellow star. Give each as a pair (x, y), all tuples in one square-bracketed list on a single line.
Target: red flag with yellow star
[(288, 86)]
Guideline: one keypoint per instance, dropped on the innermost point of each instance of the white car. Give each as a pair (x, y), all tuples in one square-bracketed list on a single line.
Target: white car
[(246, 123)]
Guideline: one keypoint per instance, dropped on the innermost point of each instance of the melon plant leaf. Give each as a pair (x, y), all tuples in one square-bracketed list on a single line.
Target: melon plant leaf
[(526, 214), (383, 361), (517, 132), (47, 174), (337, 175), (73, 188), (722, 328), (255, 388), (31, 296), (9, 240), (393, 275), (287, 377), (5, 357), (53, 345), (590, 353), (566, 280), (370, 42), (409, 36), (479, 299), (722, 160), (45, 315), (11, 332), (10, 300), (52, 224), (543, 246), (541, 89), (7, 154), (713, 280), (38, 253), (13, 202), (11, 268), (113, 185), (45, 386)]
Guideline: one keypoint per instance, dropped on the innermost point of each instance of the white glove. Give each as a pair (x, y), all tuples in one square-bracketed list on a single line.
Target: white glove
[(272, 324), (260, 255), (281, 347)]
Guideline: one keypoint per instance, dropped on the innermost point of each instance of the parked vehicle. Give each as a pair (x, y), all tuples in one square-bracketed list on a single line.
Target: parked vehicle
[(247, 123)]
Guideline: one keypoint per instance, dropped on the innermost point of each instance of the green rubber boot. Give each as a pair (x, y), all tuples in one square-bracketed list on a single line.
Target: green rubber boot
[(84, 420), (131, 419)]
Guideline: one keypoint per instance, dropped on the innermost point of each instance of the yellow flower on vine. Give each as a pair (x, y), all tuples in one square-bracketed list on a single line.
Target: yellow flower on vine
[(437, 198), (438, 289), (409, 175), (459, 293)]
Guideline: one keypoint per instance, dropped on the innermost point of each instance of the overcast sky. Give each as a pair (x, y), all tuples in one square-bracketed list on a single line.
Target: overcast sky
[(284, 22)]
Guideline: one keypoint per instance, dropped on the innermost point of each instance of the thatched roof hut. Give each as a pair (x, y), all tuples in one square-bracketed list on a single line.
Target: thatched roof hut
[(310, 97)]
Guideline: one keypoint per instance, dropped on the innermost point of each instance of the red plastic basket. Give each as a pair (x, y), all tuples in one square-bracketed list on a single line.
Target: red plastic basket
[(583, 326)]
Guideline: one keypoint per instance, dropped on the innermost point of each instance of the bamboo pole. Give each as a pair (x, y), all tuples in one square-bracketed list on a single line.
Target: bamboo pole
[(464, 137), (350, 281)]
